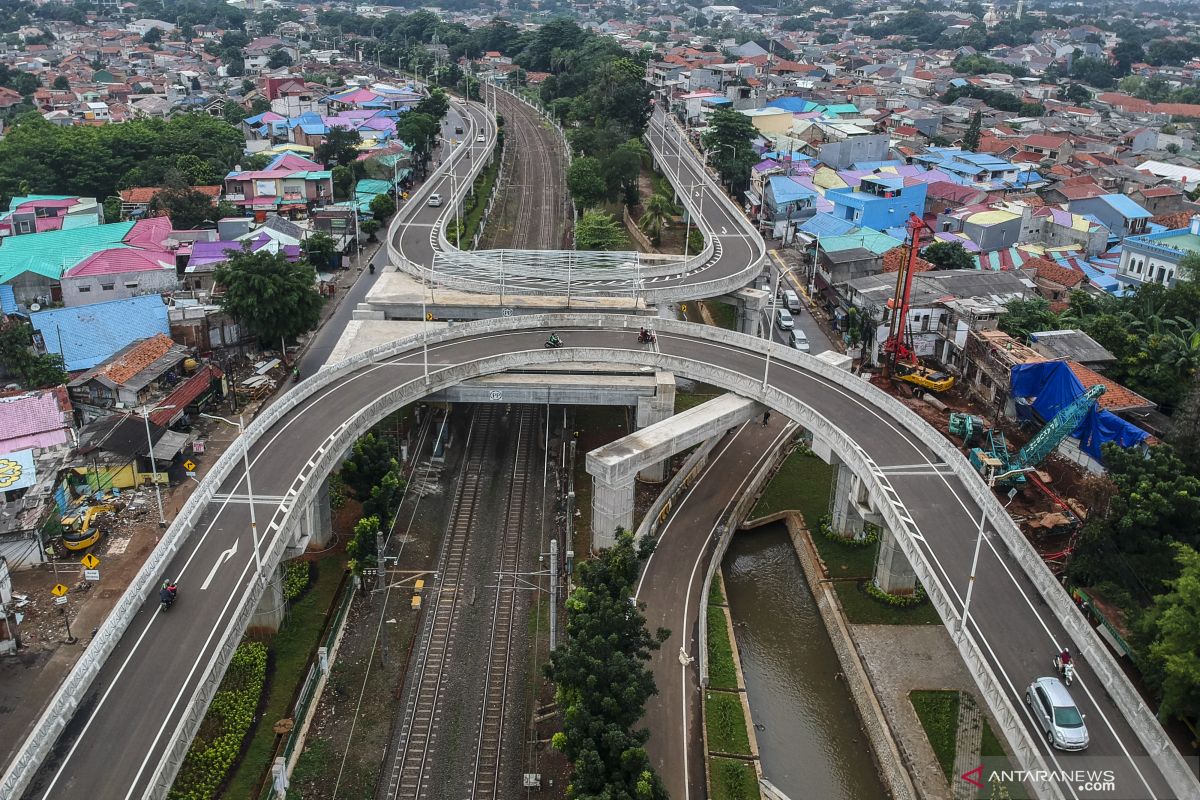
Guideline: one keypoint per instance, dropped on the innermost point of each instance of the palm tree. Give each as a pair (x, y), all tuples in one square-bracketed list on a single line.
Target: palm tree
[(658, 213)]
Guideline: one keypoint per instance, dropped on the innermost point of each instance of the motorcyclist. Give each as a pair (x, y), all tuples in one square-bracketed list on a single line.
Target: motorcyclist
[(554, 341), (371, 267), (296, 373), (167, 593), (1064, 658)]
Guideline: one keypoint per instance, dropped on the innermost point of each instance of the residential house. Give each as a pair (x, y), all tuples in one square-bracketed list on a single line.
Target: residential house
[(1117, 212), (976, 167), (1072, 345), (879, 201), (135, 201), (784, 200), (1158, 200), (840, 145), (119, 273), (841, 259), (34, 420), (1047, 147), (129, 378), (88, 335), (41, 213), (989, 227), (1155, 257), (288, 183)]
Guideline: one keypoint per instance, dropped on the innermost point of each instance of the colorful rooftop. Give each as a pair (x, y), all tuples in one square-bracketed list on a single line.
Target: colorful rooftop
[(88, 335)]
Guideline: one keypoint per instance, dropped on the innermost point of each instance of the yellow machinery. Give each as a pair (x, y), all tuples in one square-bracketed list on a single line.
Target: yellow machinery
[(80, 528)]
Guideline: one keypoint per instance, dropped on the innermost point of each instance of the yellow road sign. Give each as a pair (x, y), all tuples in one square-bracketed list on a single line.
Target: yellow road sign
[(59, 590), (429, 316), (189, 465), (89, 561)]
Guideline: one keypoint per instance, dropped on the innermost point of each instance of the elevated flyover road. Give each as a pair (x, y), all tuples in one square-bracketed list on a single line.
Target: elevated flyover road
[(731, 259), (124, 717)]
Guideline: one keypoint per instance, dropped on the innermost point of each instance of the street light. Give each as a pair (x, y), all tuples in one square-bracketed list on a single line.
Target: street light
[(771, 322), (249, 488), (145, 413), (991, 482)]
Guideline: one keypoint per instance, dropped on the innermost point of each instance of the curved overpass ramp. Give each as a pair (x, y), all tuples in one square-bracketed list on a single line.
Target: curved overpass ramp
[(732, 258), (125, 716)]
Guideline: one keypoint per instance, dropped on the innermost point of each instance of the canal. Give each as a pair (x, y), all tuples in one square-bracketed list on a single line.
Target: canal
[(808, 734)]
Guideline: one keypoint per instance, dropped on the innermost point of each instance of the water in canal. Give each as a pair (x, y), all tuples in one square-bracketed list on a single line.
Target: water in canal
[(808, 734)]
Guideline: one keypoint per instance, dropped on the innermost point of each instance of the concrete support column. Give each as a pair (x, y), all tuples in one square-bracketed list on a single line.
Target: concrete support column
[(893, 573), (612, 508), (322, 529), (750, 304), (843, 513), (271, 607), (655, 409)]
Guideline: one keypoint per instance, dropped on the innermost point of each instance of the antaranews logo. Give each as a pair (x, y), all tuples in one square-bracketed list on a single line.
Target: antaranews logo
[(1095, 782)]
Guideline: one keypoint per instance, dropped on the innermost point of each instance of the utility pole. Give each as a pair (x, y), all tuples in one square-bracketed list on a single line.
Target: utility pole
[(553, 594), (380, 579)]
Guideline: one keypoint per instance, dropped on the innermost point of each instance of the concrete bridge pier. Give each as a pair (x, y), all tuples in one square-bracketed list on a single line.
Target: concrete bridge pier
[(652, 410), (750, 304), (271, 606), (893, 573), (314, 524), (850, 506)]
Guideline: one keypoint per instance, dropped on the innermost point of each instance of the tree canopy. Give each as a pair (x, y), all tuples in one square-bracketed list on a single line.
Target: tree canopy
[(25, 365), (272, 297), (598, 230), (585, 182), (729, 140), (948, 255), (1170, 659), (98, 161), (340, 146)]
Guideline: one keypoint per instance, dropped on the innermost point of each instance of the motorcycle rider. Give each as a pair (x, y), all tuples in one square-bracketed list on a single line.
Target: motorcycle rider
[(554, 341), (167, 593)]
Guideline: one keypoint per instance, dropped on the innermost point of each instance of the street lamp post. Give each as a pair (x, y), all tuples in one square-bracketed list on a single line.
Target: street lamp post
[(771, 322), (146, 411), (991, 482), (240, 425)]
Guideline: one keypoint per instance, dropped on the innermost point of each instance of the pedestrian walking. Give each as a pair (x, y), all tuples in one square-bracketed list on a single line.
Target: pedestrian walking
[(766, 417)]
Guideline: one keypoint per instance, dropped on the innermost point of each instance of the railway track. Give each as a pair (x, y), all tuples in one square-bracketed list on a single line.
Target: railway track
[(534, 197), (411, 765), (489, 749)]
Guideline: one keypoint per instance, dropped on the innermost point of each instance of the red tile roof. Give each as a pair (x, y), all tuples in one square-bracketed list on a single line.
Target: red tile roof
[(894, 259), (1116, 397), (1051, 271)]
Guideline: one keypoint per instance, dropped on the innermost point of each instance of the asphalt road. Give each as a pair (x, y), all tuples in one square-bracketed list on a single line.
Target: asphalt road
[(671, 585), (119, 734)]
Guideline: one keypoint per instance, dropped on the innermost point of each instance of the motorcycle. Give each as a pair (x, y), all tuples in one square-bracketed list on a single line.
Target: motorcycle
[(166, 598), (1067, 671), (647, 337), (371, 268), (553, 342)]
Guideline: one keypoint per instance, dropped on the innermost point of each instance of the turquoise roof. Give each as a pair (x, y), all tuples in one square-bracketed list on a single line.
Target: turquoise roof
[(878, 243), (19, 201), (52, 253)]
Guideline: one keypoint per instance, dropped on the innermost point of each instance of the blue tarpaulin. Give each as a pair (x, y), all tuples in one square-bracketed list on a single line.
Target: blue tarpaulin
[(1051, 386)]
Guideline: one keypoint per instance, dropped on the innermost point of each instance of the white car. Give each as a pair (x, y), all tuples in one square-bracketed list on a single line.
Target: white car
[(480, 138), (799, 340), (783, 320), (1057, 714), (435, 199)]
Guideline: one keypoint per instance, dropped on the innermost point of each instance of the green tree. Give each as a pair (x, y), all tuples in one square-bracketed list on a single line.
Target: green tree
[(271, 297), (187, 207), (61, 83), (1189, 267), (152, 36), (320, 250), (1077, 94), (340, 146), (602, 680), (279, 58), (1185, 427), (1093, 71), (948, 255), (585, 182), (974, 132), (597, 230), (657, 214), (343, 182), (1171, 661), (362, 547), (435, 105), (1125, 54), (234, 113), (112, 209), (729, 142), (383, 206), (419, 131), (25, 365), (1024, 317), (371, 457), (371, 227), (621, 169)]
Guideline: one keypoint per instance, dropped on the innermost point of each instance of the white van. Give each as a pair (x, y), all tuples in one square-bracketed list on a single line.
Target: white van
[(792, 301), (799, 340), (783, 319)]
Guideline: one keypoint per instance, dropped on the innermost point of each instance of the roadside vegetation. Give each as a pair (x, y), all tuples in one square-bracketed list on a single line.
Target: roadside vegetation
[(722, 673)]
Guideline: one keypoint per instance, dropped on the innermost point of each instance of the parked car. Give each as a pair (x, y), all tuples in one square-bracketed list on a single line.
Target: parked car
[(799, 340), (783, 319), (1057, 714), (435, 199), (792, 301)]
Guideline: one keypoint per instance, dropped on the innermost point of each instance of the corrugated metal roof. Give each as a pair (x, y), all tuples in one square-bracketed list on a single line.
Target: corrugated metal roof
[(50, 254), (87, 335)]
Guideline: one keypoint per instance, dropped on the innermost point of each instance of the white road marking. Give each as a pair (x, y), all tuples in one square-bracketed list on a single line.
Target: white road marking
[(221, 559)]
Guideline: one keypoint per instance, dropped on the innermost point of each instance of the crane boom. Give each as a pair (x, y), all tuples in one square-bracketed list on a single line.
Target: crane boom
[(1057, 429)]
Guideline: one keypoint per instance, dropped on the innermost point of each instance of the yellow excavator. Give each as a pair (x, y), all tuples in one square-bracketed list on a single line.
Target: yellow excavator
[(81, 527)]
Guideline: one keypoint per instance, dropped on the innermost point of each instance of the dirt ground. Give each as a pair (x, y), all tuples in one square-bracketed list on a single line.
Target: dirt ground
[(29, 679)]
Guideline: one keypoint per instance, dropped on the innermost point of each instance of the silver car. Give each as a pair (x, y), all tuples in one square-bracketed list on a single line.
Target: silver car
[(1057, 714)]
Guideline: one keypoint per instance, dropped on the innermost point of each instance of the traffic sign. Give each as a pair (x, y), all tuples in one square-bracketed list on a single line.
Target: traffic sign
[(429, 316), (59, 590), (89, 561), (198, 446), (60, 601), (508, 312), (495, 395), (189, 465), (91, 574)]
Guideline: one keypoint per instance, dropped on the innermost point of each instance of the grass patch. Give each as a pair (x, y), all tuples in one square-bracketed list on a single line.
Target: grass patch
[(938, 712), (802, 484), (686, 400), (862, 609), (290, 650), (732, 779), (726, 723), (845, 560), (723, 315), (716, 593), (474, 205), (722, 674)]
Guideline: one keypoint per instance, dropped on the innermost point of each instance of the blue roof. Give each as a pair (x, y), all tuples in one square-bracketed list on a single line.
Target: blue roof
[(1125, 206), (825, 224), (786, 190), (797, 105), (874, 165), (88, 335)]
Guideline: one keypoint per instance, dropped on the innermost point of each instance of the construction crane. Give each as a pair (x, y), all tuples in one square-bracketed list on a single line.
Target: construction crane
[(995, 459), (900, 358)]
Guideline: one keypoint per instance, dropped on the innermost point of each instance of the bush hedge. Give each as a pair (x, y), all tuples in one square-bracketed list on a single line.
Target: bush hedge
[(217, 745)]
